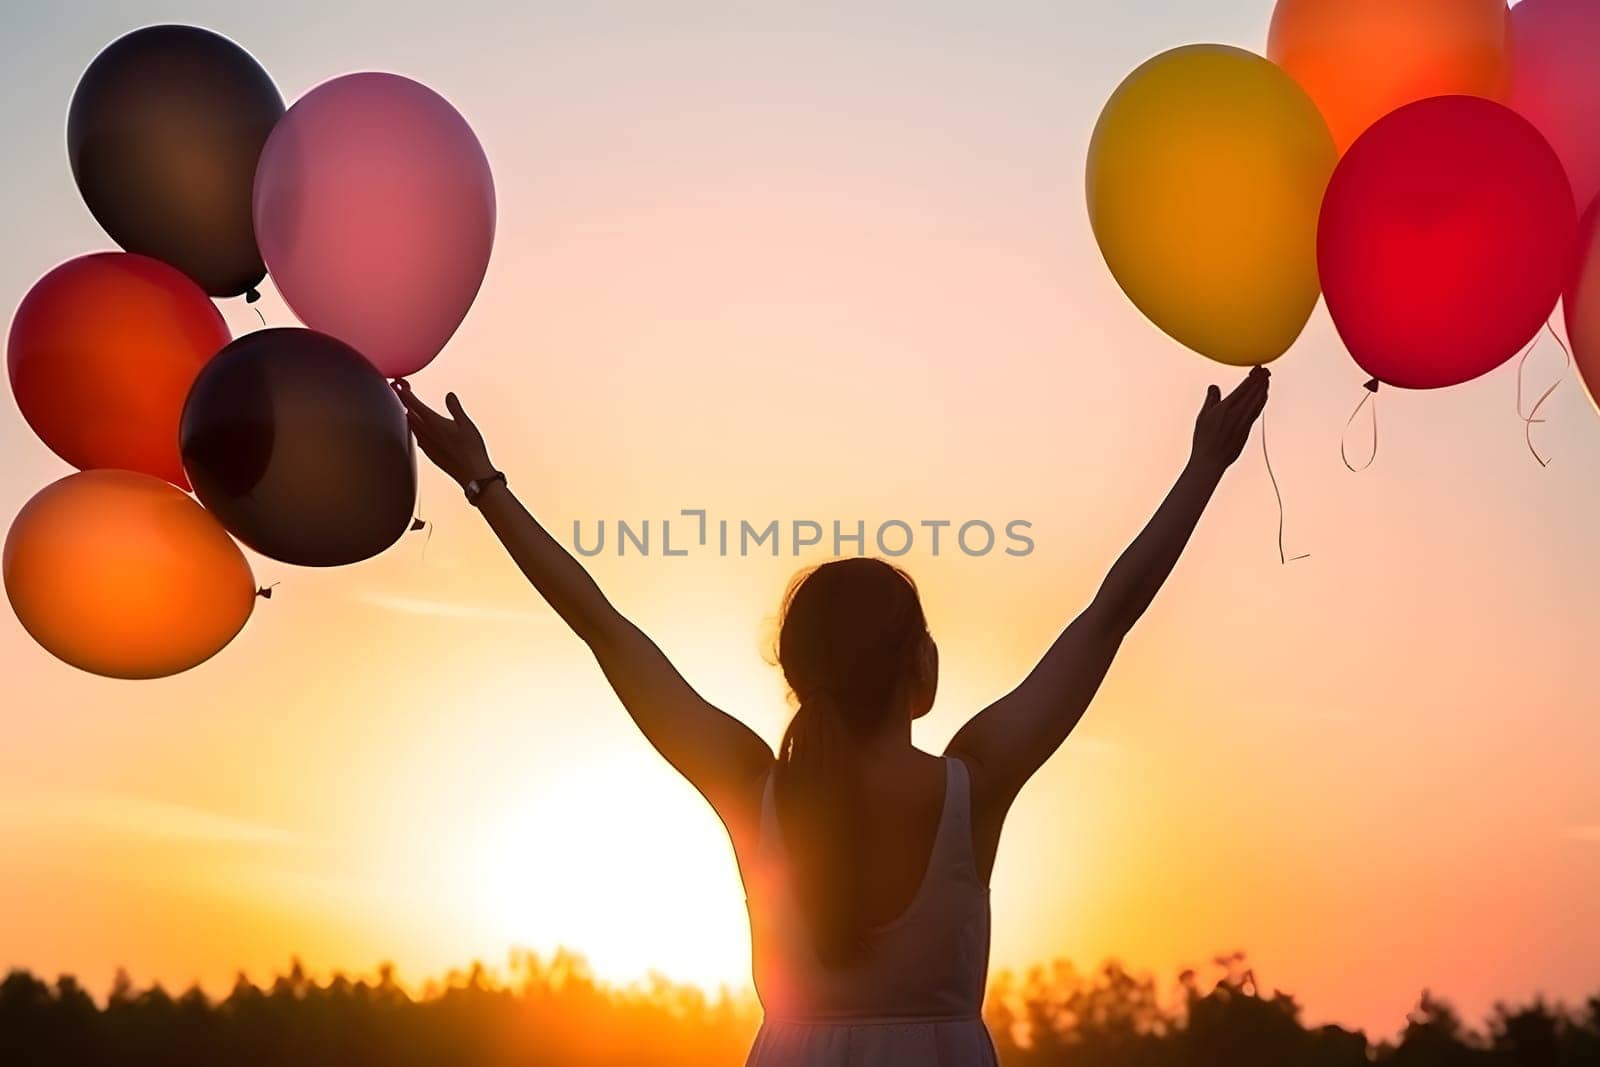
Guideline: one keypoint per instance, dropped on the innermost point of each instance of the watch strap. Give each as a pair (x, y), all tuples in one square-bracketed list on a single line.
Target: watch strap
[(475, 488)]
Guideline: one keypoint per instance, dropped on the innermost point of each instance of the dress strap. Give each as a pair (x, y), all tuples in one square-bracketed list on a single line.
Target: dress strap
[(955, 826), (769, 836)]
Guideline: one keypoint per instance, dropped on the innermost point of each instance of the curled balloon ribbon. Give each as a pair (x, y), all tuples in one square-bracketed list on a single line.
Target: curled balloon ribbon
[(1344, 453), (1531, 418), (1283, 557)]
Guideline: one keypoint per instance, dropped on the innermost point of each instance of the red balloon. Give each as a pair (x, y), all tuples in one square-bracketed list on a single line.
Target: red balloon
[(1447, 234), (102, 353)]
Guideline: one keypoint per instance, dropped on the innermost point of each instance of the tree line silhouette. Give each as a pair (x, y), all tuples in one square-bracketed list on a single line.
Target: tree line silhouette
[(554, 1013)]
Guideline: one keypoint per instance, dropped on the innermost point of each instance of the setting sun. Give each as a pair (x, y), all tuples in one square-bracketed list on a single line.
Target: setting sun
[(617, 874)]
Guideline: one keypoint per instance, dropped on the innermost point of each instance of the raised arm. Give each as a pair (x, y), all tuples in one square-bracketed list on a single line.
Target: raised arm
[(720, 756), (1008, 741)]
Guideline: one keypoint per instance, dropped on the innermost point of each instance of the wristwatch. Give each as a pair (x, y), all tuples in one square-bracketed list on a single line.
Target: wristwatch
[(475, 488)]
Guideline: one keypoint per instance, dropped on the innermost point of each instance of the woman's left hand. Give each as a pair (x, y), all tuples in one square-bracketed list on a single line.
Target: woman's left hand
[(453, 443), (1224, 423)]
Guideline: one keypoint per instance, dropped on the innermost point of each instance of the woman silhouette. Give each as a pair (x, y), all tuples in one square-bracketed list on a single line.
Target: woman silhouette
[(865, 860)]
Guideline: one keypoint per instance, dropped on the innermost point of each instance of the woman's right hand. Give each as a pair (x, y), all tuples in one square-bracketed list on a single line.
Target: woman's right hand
[(453, 443), (1223, 427)]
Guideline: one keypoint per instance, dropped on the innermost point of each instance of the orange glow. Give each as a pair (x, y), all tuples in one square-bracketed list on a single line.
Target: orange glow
[(832, 262)]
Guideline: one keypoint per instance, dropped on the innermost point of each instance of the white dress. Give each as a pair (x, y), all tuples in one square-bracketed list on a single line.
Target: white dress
[(915, 996)]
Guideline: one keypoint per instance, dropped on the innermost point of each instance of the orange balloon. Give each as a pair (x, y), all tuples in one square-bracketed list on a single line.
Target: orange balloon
[(102, 353), (122, 575), (1361, 59)]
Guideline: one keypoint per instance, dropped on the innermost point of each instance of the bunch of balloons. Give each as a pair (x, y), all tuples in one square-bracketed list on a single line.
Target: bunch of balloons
[(370, 202), (1420, 163)]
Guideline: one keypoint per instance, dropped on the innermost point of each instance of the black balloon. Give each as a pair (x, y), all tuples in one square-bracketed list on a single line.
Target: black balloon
[(300, 448), (164, 133)]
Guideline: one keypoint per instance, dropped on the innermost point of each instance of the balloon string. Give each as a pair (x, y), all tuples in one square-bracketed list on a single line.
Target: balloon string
[(265, 592), (1372, 391), (1283, 557), (419, 523), (1531, 418), (260, 316)]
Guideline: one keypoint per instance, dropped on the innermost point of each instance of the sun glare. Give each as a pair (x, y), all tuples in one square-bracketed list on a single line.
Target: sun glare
[(635, 875)]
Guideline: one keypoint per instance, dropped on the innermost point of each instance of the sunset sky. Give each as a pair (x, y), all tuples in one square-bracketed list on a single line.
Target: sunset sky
[(828, 261)]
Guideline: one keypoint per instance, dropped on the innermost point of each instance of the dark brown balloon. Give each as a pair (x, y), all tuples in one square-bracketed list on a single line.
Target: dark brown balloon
[(164, 133), (300, 448)]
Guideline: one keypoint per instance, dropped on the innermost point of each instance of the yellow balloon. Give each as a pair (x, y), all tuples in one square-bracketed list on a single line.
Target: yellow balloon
[(1205, 181), (124, 575)]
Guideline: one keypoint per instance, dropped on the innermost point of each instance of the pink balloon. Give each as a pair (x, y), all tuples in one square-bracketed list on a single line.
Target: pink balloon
[(1581, 305), (374, 210), (1555, 84)]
